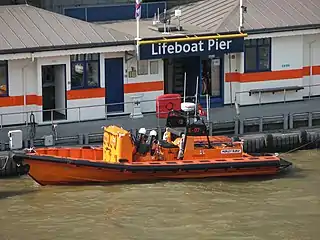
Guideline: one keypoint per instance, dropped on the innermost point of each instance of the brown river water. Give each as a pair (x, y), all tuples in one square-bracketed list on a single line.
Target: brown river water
[(287, 207)]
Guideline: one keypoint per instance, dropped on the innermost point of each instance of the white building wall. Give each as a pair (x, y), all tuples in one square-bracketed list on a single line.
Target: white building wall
[(311, 58), (21, 75), (84, 107), (232, 64), (289, 66), (148, 103)]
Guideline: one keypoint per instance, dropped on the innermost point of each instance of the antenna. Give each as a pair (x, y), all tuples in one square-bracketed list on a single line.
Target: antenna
[(185, 87), (196, 102), (242, 9), (178, 14), (165, 21)]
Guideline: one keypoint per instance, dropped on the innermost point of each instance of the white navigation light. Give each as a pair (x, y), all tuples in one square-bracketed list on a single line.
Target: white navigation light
[(188, 106)]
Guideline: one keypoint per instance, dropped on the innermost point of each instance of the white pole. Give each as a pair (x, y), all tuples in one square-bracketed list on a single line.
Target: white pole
[(241, 16), (138, 29), (185, 87), (195, 107), (311, 66), (138, 15), (207, 100)]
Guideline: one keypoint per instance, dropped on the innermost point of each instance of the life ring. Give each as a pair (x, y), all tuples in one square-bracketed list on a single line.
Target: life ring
[(169, 106)]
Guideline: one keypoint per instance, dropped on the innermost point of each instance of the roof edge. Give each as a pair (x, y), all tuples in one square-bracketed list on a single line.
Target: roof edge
[(284, 29), (66, 47)]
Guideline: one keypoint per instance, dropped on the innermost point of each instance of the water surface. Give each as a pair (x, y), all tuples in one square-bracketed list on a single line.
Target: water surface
[(282, 208)]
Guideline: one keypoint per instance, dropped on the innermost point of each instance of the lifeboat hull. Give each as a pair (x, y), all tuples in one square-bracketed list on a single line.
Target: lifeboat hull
[(47, 170)]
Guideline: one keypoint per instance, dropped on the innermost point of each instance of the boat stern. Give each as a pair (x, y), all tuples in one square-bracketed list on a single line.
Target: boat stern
[(284, 164), (22, 167)]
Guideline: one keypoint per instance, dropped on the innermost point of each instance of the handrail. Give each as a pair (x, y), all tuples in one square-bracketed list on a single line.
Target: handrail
[(284, 93), (28, 113)]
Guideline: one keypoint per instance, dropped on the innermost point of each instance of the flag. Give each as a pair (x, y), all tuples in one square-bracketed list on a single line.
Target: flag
[(138, 9), (201, 112)]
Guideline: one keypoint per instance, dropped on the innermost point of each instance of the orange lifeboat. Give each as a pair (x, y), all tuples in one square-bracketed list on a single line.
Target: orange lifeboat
[(185, 152)]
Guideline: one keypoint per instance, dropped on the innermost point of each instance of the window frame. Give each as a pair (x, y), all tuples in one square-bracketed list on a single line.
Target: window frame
[(4, 63), (138, 67), (153, 61), (254, 43), (84, 62)]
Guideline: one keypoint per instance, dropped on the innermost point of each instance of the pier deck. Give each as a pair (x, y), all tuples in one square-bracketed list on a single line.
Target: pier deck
[(222, 114)]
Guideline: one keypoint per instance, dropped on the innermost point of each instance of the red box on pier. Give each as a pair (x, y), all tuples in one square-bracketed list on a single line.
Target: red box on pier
[(167, 102)]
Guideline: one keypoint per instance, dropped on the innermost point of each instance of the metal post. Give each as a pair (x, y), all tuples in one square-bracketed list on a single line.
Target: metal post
[(310, 119), (236, 126), (284, 95), (210, 129), (259, 98), (79, 114), (291, 121), (51, 115), (230, 69), (208, 107), (241, 126), (261, 124), (285, 121), (1, 119), (26, 118)]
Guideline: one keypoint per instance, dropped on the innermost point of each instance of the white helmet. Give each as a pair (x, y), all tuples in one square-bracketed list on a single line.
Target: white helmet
[(142, 131), (153, 133)]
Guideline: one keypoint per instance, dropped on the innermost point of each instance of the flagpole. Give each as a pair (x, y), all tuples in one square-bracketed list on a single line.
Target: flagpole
[(138, 16)]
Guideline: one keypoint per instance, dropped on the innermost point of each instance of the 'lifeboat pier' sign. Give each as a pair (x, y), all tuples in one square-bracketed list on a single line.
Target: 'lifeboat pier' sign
[(191, 48)]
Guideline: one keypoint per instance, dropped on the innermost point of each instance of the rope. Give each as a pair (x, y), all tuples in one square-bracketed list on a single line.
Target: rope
[(32, 130), (5, 163), (302, 146)]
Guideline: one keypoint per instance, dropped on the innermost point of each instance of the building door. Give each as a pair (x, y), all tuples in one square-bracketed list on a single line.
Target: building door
[(212, 80), (114, 84), (54, 92), (175, 70)]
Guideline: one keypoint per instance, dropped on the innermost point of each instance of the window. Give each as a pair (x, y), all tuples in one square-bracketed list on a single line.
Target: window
[(257, 55), (154, 67), (85, 71), (143, 67), (3, 78)]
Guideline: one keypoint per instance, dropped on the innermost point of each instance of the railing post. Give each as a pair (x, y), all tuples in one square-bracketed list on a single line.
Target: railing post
[(241, 126), (26, 118), (285, 121), (261, 124), (236, 126), (1, 119), (79, 114), (290, 120), (284, 95), (259, 98), (310, 119), (51, 115)]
